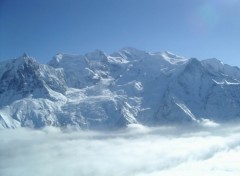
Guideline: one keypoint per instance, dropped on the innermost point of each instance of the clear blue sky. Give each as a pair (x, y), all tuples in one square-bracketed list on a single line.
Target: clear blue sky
[(191, 28)]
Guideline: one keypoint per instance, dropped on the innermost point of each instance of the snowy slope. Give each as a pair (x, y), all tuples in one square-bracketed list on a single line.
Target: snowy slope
[(103, 91)]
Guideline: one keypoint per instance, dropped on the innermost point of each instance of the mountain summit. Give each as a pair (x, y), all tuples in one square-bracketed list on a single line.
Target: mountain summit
[(100, 91)]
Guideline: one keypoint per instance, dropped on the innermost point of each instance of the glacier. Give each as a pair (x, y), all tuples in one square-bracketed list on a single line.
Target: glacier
[(130, 86)]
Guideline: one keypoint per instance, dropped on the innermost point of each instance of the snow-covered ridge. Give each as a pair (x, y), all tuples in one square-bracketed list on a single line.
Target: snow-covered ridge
[(170, 57), (102, 91)]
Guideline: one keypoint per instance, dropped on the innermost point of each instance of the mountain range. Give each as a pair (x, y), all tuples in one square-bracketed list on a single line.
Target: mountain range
[(101, 91)]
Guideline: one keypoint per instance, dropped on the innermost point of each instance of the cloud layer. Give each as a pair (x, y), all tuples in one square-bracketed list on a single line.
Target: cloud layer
[(136, 151)]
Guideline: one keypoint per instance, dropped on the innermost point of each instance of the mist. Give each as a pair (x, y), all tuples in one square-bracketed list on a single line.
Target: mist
[(135, 151)]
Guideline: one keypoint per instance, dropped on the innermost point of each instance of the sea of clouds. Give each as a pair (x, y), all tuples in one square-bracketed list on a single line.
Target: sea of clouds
[(135, 151)]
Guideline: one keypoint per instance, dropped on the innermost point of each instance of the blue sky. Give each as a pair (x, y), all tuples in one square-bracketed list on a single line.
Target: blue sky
[(191, 28)]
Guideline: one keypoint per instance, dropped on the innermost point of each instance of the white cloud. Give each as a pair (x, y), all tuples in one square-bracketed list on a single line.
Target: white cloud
[(136, 151)]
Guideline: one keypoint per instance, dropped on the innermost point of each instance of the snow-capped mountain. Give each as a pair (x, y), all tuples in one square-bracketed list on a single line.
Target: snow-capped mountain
[(103, 91)]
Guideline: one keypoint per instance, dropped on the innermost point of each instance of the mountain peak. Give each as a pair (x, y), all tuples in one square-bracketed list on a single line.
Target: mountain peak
[(213, 61), (24, 59), (194, 62), (57, 59), (25, 55), (214, 64), (131, 50), (96, 55), (171, 55), (130, 53), (172, 58)]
